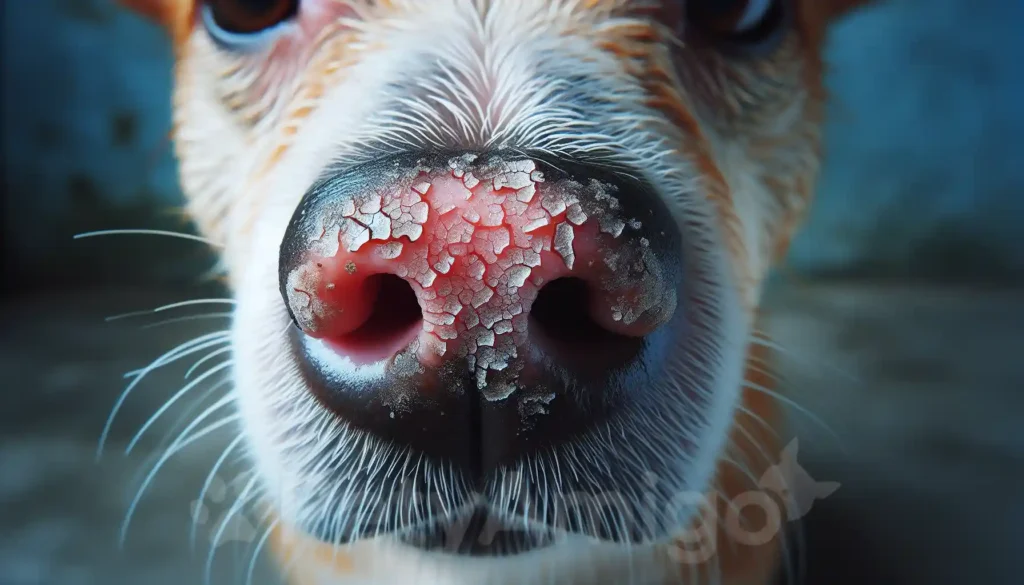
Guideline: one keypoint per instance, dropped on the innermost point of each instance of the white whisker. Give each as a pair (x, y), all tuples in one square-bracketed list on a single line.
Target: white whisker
[(259, 548), (176, 429), (763, 340), (220, 337), (170, 234), (146, 312), (188, 318), (243, 499), (792, 403), (173, 399), (208, 357), (197, 344), (129, 315), (163, 459), (209, 481), (767, 425), (195, 302)]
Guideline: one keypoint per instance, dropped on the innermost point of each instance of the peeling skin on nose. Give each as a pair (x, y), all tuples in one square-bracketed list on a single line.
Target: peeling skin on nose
[(476, 243)]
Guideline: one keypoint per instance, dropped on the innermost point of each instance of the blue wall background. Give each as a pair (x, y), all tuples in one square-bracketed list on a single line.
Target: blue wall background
[(923, 176)]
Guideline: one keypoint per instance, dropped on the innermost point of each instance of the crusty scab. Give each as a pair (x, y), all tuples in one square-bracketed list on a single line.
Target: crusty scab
[(476, 241)]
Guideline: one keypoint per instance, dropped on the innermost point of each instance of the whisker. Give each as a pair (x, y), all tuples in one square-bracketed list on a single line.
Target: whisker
[(223, 335), (176, 430), (167, 455), (790, 547), (208, 357), (243, 499), (167, 233), (188, 318), (128, 315), (793, 404), (758, 418), (146, 312), (195, 302), (197, 344), (761, 338), (259, 548), (787, 550), (754, 442), (209, 481), (763, 366), (173, 399), (799, 550), (715, 569)]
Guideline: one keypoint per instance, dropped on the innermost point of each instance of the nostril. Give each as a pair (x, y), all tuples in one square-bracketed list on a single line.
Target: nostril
[(563, 325), (445, 302), (561, 313), (394, 321)]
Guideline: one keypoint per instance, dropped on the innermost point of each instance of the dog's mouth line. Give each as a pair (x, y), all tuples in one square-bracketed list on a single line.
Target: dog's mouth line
[(480, 528), (479, 531)]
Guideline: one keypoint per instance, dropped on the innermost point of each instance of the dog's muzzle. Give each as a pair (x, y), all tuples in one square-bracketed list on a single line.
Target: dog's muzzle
[(482, 309)]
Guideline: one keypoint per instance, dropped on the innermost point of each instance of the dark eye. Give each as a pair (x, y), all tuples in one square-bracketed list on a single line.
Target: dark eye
[(738, 22), (235, 21)]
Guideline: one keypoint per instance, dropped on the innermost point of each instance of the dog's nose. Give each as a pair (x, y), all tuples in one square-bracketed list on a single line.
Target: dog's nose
[(479, 307)]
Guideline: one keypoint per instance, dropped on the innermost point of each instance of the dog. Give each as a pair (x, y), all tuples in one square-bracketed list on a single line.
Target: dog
[(497, 267)]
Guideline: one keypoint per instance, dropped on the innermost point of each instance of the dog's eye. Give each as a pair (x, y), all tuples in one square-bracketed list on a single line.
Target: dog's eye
[(241, 21), (738, 22)]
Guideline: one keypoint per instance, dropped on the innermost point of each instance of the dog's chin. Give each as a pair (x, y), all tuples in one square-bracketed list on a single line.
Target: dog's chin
[(563, 560)]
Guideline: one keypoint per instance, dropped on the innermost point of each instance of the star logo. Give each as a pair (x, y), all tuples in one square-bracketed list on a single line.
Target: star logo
[(231, 525), (790, 481)]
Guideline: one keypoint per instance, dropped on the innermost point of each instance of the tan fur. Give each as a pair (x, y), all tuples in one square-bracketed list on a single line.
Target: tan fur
[(246, 131)]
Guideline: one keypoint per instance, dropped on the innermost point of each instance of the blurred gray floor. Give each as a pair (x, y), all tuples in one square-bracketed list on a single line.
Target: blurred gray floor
[(924, 387)]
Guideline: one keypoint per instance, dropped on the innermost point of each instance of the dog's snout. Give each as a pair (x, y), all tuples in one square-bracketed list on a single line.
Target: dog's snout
[(478, 307)]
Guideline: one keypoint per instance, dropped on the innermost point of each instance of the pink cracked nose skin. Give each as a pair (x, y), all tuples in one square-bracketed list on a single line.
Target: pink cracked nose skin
[(476, 244)]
